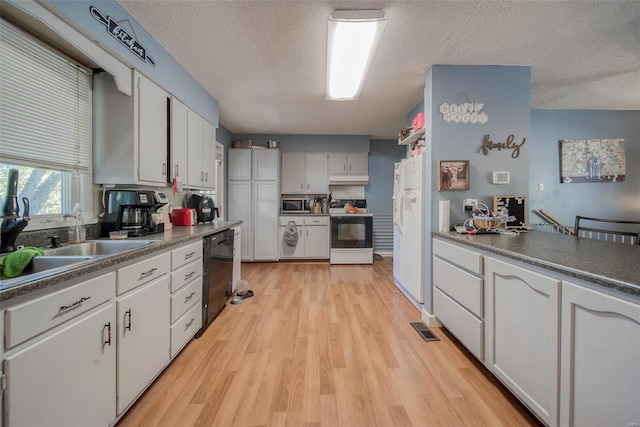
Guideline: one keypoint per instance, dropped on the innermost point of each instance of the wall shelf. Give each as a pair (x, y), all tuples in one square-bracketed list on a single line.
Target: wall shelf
[(412, 138)]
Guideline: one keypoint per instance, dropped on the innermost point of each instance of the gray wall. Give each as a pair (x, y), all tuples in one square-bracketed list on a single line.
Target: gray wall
[(167, 73), (505, 92), (620, 200), (384, 153)]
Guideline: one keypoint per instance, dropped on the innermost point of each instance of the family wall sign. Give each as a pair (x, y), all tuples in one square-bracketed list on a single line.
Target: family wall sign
[(509, 144)]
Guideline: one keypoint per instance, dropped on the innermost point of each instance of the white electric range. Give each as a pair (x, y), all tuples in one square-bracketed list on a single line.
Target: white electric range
[(351, 233)]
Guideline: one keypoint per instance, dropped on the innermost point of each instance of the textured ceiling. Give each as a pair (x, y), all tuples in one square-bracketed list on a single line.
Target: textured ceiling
[(264, 61)]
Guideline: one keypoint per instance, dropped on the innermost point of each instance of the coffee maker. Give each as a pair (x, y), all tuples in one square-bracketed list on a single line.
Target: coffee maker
[(131, 211)]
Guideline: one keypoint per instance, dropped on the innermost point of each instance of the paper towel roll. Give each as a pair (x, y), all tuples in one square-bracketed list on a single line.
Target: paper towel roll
[(444, 215)]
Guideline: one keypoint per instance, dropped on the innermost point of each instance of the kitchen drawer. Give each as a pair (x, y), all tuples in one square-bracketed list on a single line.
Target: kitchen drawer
[(142, 272), (467, 259), (284, 220), (186, 254), (185, 328), (34, 317), (317, 220), (185, 274), (467, 328), (463, 287), (184, 299)]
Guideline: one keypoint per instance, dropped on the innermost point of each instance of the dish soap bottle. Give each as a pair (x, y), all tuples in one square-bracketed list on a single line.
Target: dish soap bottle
[(77, 232)]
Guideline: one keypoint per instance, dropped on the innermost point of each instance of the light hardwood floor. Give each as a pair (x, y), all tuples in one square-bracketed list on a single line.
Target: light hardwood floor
[(322, 345)]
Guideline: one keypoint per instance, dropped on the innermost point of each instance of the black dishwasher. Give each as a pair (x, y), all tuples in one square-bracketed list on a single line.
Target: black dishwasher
[(217, 275)]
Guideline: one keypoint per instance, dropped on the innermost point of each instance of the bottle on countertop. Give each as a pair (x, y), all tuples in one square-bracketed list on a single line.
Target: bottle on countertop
[(77, 231)]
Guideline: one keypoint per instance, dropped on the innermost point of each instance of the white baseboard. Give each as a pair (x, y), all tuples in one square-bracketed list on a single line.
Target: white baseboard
[(429, 319)]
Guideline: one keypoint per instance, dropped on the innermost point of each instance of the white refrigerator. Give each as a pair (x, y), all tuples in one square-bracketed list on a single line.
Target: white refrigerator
[(408, 228)]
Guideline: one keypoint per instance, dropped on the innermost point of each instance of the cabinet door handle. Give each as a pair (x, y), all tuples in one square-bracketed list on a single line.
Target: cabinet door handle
[(202, 176), (164, 169), (127, 314), (344, 168), (189, 275), (108, 340), (206, 177), (302, 186), (73, 304), (189, 324), (177, 174), (189, 255), (188, 297), (147, 273)]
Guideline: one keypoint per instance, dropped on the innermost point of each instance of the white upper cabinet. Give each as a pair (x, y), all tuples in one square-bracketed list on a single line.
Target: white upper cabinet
[(209, 156), (201, 152), (152, 121), (304, 173), (293, 172), (131, 138), (348, 163), (179, 141), (239, 166), (316, 177), (266, 164)]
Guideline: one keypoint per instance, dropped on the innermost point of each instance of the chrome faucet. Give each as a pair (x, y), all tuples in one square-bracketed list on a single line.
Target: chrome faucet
[(12, 226)]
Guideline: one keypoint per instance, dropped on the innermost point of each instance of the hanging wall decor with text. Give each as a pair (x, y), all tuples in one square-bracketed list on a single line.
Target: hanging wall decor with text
[(467, 112), (592, 160), (116, 31)]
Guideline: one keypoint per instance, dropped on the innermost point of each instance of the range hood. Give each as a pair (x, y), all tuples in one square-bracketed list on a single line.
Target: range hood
[(348, 179)]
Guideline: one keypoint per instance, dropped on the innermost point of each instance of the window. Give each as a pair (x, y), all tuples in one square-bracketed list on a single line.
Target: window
[(45, 126), (47, 190)]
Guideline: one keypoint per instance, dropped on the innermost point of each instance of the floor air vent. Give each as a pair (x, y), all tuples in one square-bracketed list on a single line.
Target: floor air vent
[(424, 331)]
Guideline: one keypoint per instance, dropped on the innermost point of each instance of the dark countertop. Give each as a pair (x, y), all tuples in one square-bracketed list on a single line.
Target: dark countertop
[(174, 237), (614, 265)]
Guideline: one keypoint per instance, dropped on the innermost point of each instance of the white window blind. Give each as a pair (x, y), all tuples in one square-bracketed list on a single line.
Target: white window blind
[(45, 105)]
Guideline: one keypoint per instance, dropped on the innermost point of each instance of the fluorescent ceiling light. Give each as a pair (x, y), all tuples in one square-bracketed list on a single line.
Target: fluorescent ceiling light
[(353, 39)]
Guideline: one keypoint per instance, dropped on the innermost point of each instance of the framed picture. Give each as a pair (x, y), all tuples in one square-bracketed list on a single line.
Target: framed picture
[(592, 160), (453, 175)]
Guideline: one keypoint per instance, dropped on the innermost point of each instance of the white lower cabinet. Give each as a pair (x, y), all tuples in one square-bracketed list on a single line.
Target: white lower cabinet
[(65, 376), (288, 251), (186, 295), (458, 294), (522, 314), (313, 237), (142, 337), (317, 239), (600, 380)]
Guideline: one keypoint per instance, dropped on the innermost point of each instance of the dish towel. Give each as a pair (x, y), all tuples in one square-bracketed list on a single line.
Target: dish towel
[(12, 264)]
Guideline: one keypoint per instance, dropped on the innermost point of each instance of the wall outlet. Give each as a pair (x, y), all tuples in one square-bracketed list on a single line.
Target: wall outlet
[(468, 205)]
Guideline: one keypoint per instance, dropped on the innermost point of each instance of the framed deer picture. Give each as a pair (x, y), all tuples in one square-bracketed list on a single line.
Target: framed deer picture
[(453, 175)]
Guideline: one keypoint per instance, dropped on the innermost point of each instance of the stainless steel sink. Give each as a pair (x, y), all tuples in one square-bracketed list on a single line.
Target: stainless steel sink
[(43, 266), (44, 263), (97, 247)]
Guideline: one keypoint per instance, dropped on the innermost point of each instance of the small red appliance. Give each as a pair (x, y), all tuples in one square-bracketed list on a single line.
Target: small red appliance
[(184, 216)]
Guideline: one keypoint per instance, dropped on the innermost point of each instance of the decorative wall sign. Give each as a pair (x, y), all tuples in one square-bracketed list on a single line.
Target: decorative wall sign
[(469, 112), (488, 145), (119, 33), (453, 175), (592, 160)]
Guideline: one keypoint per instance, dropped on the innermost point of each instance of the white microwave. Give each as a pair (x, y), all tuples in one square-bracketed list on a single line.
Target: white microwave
[(295, 205)]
